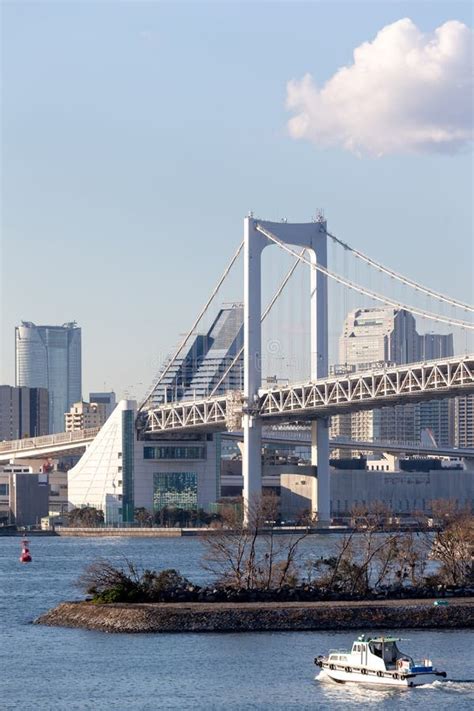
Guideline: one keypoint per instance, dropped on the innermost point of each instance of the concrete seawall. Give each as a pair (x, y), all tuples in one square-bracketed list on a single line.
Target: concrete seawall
[(128, 532), (253, 617), (136, 532)]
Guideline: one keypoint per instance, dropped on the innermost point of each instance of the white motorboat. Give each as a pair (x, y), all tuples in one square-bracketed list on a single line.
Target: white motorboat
[(377, 660)]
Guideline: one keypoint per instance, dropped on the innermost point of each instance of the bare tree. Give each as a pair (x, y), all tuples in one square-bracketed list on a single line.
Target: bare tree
[(371, 558), (253, 556), (453, 547)]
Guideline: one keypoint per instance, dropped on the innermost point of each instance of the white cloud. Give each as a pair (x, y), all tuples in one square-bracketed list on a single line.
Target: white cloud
[(405, 92)]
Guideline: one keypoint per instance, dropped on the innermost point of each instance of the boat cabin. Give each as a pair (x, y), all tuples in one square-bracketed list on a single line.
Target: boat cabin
[(379, 653)]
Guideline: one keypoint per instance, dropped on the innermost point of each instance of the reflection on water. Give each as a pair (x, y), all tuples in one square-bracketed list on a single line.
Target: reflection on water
[(52, 669)]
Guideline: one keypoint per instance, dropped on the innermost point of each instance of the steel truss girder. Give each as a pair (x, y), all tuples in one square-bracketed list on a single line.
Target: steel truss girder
[(361, 391), (391, 386)]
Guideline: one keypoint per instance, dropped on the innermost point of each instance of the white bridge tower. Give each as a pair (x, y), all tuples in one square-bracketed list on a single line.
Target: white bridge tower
[(313, 237)]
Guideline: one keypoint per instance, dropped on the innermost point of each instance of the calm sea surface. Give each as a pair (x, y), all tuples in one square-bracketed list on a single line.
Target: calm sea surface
[(53, 669)]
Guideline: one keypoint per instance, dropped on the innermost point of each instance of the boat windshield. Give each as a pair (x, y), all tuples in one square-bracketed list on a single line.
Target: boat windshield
[(388, 651)]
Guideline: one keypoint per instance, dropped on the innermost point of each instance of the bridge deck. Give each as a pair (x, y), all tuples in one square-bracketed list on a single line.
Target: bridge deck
[(366, 390)]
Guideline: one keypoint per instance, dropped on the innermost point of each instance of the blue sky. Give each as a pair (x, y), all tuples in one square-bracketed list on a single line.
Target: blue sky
[(136, 136)]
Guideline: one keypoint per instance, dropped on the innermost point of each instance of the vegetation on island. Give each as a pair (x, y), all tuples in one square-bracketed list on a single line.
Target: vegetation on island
[(256, 562), (85, 517)]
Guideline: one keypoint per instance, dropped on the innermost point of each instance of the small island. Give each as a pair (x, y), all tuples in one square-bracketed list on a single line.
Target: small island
[(373, 579)]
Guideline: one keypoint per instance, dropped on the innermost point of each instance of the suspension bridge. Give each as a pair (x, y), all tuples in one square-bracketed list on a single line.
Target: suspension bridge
[(232, 397), (321, 396)]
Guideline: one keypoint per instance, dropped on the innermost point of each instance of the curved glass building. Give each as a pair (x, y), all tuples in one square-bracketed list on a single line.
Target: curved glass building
[(50, 357)]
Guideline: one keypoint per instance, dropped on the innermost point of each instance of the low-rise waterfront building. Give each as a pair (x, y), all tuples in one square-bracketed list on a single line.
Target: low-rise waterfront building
[(57, 486), (119, 472), (28, 497)]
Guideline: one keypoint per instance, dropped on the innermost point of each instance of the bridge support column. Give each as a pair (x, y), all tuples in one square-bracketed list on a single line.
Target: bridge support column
[(320, 457), (251, 464), (319, 369), (252, 449)]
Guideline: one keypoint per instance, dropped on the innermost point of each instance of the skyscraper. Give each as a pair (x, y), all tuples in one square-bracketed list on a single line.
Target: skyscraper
[(371, 337), (50, 357), (380, 335)]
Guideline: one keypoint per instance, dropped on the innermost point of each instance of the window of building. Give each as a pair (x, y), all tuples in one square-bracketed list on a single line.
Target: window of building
[(175, 489), (4, 490), (173, 452)]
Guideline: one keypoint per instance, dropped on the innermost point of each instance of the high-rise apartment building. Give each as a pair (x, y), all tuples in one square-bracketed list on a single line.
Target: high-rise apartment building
[(202, 363), (24, 412), (464, 421), (50, 357)]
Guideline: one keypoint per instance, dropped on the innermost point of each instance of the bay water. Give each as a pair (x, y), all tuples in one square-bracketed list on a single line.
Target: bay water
[(56, 669)]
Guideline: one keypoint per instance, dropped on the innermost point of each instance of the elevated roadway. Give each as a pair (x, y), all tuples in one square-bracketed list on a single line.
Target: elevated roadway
[(366, 390)]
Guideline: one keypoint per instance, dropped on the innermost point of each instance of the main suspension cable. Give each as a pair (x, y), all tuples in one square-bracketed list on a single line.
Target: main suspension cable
[(193, 327), (361, 289), (399, 277)]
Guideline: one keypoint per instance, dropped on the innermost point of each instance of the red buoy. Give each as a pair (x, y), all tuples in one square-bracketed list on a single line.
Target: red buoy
[(25, 556)]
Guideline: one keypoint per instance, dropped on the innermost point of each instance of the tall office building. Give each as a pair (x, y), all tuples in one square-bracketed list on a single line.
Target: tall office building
[(378, 336), (373, 337), (201, 364), (50, 357), (381, 335), (24, 412)]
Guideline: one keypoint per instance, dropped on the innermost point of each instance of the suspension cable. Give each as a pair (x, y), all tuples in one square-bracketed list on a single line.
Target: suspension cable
[(362, 290), (264, 316), (400, 277), (193, 327)]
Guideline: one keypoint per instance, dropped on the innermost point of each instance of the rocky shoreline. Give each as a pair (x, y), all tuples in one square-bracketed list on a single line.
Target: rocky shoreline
[(257, 616)]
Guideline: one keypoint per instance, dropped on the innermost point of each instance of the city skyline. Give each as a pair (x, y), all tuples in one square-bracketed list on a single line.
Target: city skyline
[(149, 184)]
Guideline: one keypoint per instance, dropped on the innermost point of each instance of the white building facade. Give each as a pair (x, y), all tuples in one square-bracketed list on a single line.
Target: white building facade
[(119, 472)]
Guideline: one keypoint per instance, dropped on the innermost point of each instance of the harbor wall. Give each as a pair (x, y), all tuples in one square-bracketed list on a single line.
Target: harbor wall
[(253, 617)]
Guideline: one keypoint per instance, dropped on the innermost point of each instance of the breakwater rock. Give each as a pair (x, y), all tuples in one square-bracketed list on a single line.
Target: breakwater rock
[(253, 617)]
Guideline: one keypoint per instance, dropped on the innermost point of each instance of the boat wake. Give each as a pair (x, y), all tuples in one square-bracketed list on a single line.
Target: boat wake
[(463, 687), (459, 686)]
